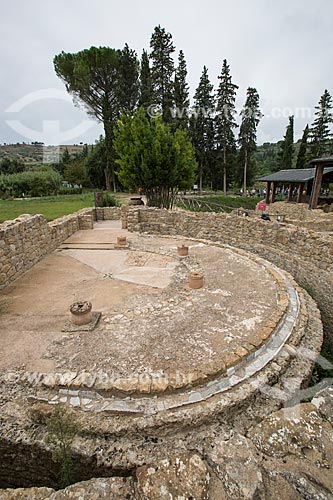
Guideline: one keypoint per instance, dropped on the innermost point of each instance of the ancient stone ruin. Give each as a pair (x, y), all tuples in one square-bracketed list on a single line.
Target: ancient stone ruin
[(183, 363)]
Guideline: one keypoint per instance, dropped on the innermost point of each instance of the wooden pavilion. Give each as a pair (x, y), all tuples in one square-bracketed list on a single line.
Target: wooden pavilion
[(311, 178)]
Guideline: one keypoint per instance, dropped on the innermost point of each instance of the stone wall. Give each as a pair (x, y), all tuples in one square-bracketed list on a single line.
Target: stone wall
[(306, 254), (107, 213), (27, 239)]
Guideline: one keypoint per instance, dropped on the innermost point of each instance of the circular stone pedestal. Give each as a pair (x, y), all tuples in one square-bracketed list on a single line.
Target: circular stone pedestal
[(182, 251), (196, 280), (81, 313)]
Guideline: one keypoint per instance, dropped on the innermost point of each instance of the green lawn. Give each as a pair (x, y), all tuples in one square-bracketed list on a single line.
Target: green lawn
[(226, 203), (248, 202), (51, 207)]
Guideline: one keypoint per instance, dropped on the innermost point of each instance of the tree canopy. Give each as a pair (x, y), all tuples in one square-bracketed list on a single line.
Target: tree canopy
[(287, 146), (247, 140), (320, 133), (181, 88), (154, 158), (202, 127), (225, 120), (162, 72), (302, 157), (105, 81)]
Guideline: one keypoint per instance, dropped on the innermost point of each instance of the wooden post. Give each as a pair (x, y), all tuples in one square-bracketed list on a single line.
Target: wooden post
[(309, 188), (268, 190), (316, 186), (300, 192), (290, 193), (273, 192)]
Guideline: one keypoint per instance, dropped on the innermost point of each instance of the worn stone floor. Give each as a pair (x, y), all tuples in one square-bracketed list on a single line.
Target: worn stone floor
[(151, 321)]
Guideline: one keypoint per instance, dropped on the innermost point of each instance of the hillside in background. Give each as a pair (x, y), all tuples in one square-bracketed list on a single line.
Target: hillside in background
[(267, 157), (33, 153)]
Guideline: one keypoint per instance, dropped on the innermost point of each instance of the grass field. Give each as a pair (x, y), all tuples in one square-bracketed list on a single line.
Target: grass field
[(222, 203), (51, 207), (232, 202)]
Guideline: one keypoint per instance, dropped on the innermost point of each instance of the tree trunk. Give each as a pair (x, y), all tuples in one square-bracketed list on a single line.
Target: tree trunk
[(224, 171), (109, 170), (107, 179), (245, 171), (200, 179)]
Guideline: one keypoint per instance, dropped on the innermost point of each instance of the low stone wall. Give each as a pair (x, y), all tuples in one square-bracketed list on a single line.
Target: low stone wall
[(27, 239), (108, 213), (305, 254)]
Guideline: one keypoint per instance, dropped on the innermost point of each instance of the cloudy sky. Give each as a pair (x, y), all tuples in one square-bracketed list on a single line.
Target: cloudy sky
[(284, 48)]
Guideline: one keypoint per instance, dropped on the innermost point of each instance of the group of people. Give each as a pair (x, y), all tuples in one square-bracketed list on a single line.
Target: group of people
[(282, 191), (253, 192)]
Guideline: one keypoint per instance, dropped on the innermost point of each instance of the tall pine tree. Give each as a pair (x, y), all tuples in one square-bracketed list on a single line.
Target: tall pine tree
[(162, 72), (146, 90), (225, 121), (247, 140), (302, 159), (202, 126), (104, 81), (320, 130), (287, 146), (129, 80), (181, 88)]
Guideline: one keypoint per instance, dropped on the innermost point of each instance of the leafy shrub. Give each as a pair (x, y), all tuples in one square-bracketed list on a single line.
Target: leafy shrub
[(62, 430), (109, 200), (30, 183)]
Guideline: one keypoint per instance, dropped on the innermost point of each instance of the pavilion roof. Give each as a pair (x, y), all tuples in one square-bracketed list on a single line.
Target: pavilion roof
[(295, 175)]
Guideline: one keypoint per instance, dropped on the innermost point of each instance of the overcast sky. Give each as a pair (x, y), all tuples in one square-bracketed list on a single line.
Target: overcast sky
[(284, 48)]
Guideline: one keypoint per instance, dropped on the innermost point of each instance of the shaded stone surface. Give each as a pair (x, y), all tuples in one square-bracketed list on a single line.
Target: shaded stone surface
[(324, 403), (234, 462), (183, 476), (114, 488), (26, 494), (282, 434), (296, 446)]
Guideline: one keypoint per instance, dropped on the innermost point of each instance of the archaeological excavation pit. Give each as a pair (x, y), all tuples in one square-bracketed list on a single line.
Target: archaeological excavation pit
[(162, 329), (162, 354)]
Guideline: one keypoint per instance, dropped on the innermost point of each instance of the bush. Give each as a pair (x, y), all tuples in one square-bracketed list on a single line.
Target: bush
[(30, 183), (109, 200)]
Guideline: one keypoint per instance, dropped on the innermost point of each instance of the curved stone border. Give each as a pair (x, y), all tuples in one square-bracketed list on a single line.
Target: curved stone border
[(236, 373)]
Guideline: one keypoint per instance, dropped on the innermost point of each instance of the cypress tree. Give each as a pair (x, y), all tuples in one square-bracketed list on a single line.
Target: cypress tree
[(146, 91), (247, 140), (202, 126), (285, 155), (181, 88), (320, 133), (128, 80), (301, 161), (162, 72), (225, 121)]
